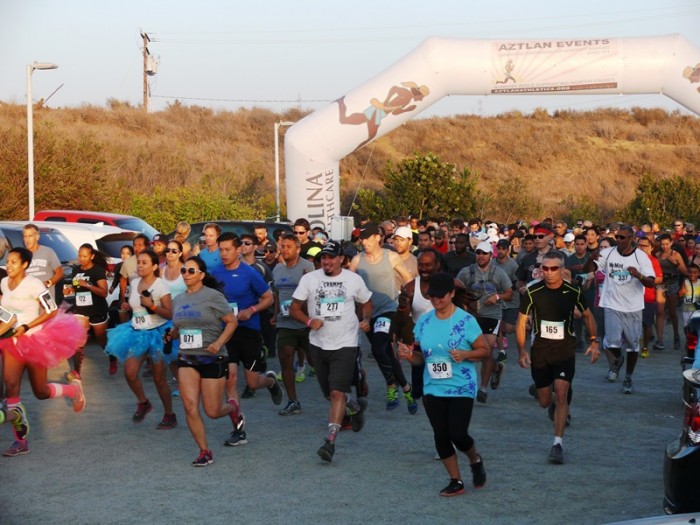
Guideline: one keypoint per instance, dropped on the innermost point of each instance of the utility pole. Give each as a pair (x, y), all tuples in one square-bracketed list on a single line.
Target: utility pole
[(146, 54)]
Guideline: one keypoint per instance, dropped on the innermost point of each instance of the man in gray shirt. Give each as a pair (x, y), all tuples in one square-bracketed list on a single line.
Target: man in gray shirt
[(45, 265), (291, 335)]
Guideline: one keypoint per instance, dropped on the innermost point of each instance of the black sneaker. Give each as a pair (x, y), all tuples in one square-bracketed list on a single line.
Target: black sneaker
[(275, 390), (556, 455), (357, 420), (532, 390), (141, 410), (455, 488), (502, 356), (236, 438), (247, 392), (496, 375), (205, 458), (481, 396), (478, 474), (326, 451)]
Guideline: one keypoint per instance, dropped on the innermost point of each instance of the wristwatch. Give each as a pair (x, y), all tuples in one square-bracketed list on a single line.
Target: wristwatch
[(595, 340)]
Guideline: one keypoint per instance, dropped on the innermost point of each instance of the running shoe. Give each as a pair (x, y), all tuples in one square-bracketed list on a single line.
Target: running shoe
[(455, 488), (275, 390), (72, 376), (614, 372), (363, 387), (247, 392), (496, 375), (502, 356), (481, 396), (237, 437), (478, 474), (113, 366), (532, 390), (176, 392), (677, 343), (300, 375), (326, 451), (346, 424), (392, 397), (410, 401), (78, 401), (18, 448), (168, 422), (627, 387), (659, 346), (357, 420), (292, 408), (312, 371), (141, 410), (20, 426), (645, 353), (504, 343), (205, 458), (556, 454)]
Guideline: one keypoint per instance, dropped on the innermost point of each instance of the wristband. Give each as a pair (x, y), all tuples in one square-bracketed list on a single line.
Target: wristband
[(254, 309), (308, 323), (26, 327)]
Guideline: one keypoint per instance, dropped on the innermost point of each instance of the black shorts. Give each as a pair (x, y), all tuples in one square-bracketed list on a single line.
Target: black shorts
[(544, 375), (335, 369), (246, 346), (293, 337), (208, 367), (510, 315), (649, 314), (488, 326), (96, 319)]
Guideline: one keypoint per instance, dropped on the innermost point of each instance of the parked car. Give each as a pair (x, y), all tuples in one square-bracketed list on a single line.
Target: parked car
[(107, 239), (125, 222), (237, 227), (682, 456), (11, 237)]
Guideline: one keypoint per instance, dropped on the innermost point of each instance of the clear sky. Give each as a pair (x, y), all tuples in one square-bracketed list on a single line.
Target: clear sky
[(278, 54)]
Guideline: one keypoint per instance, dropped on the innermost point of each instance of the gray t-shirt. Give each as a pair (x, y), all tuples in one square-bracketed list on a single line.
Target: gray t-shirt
[(198, 316), (483, 284), (286, 281), (43, 265), (510, 267)]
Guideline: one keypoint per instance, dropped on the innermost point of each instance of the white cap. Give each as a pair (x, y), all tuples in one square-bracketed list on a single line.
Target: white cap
[(404, 232), (569, 237), (484, 246)]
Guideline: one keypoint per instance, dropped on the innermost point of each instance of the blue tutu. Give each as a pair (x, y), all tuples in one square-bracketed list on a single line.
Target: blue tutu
[(123, 342)]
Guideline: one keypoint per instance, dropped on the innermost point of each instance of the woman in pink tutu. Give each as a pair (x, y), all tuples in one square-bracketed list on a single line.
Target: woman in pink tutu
[(42, 337), (132, 342)]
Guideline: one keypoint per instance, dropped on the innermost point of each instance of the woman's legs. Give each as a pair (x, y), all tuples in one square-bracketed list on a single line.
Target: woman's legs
[(131, 372), (160, 379)]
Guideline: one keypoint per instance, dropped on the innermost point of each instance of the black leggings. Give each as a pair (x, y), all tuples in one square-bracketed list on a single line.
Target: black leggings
[(383, 353), (450, 417)]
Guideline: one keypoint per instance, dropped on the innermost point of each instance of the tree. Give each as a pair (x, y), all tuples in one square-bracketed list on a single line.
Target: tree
[(663, 200), (422, 186)]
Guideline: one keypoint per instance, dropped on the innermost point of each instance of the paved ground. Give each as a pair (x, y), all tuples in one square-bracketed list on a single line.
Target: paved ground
[(98, 467)]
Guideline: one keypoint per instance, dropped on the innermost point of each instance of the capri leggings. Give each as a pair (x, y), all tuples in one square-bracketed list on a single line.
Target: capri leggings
[(450, 417)]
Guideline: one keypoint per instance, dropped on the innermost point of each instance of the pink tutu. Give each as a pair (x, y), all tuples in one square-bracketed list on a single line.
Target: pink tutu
[(57, 340)]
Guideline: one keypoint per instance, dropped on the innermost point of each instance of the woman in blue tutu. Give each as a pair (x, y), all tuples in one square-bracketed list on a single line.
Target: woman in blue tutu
[(141, 338)]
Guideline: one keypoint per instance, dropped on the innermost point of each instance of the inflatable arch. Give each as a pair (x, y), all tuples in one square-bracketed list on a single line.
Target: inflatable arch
[(439, 67)]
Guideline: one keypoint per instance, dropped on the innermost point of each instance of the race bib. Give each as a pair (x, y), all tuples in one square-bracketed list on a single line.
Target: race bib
[(142, 320), (331, 306), (234, 308), (83, 299), (284, 307), (382, 324), (439, 369), (552, 330), (191, 339)]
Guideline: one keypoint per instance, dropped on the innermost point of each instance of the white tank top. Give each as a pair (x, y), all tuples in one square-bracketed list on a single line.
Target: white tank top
[(420, 304)]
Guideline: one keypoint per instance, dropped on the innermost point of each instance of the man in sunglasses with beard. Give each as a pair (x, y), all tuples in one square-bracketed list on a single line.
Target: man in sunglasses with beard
[(551, 301)]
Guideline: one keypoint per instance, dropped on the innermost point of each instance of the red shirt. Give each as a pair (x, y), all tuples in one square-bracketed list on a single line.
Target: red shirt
[(650, 293)]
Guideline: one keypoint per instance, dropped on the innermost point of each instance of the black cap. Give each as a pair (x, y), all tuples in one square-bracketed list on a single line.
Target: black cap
[(332, 248), (503, 243), (160, 237), (440, 283), (368, 230)]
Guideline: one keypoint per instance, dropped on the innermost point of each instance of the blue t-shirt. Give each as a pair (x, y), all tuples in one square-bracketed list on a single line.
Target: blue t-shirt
[(443, 376), (212, 259), (242, 288)]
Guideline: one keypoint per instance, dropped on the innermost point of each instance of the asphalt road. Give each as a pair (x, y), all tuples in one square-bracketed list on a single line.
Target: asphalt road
[(99, 467)]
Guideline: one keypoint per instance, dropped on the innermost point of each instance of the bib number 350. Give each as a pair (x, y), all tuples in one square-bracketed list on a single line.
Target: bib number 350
[(440, 370)]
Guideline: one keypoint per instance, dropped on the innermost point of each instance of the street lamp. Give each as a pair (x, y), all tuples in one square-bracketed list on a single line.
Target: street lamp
[(277, 164), (30, 130)]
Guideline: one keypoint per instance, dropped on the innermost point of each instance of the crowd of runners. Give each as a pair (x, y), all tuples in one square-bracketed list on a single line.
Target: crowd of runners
[(437, 301)]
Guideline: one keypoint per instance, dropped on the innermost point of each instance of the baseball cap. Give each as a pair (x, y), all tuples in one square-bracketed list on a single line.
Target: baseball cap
[(404, 232), (544, 227), (503, 243), (569, 237), (332, 248), (440, 283), (484, 246), (368, 230), (313, 251), (160, 237), (270, 246)]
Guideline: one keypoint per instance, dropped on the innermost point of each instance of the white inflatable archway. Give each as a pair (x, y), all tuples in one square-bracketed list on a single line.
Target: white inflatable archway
[(439, 67)]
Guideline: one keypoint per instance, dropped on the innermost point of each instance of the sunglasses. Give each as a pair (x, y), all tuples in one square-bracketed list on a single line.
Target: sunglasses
[(549, 268), (622, 237), (540, 236), (191, 271), (269, 251), (172, 250), (299, 233), (247, 243), (678, 225)]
